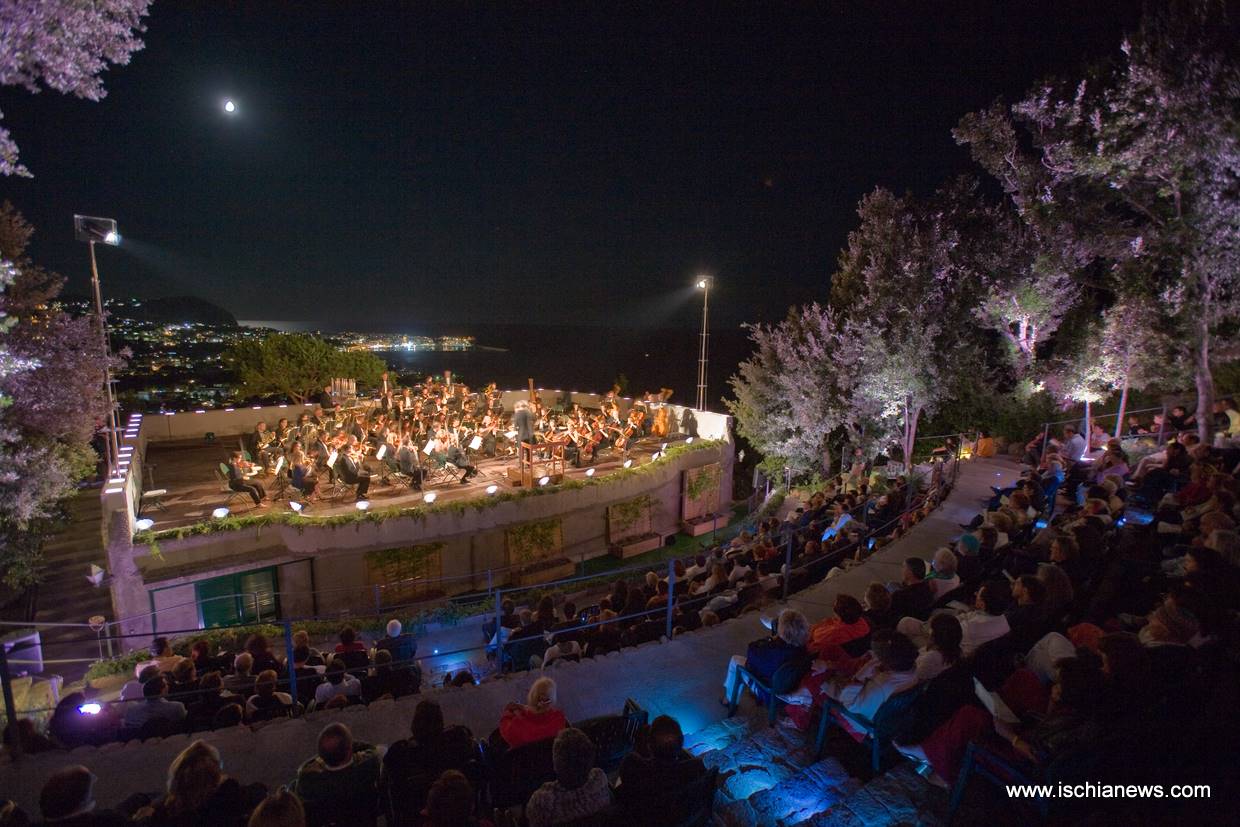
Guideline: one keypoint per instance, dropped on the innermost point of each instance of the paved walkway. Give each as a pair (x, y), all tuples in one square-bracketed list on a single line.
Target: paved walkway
[(681, 678)]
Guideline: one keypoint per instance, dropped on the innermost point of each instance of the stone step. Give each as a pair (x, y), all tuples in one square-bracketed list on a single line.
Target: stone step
[(719, 735), (795, 799), (766, 758), (898, 796)]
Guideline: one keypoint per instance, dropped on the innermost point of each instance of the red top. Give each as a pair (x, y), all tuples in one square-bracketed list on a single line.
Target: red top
[(355, 646), (834, 632), (519, 726)]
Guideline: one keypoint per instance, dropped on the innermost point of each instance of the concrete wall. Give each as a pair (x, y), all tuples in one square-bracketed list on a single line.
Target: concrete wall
[(330, 560)]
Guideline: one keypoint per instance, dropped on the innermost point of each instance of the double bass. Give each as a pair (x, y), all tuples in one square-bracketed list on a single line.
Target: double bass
[(661, 426)]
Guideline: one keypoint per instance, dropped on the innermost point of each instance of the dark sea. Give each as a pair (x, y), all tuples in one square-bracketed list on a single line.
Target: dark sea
[(572, 357)]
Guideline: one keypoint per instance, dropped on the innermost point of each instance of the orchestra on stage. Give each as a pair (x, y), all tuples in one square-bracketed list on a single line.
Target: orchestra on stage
[(433, 432)]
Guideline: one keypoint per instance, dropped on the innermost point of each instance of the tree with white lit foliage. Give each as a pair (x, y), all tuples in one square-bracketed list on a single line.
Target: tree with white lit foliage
[(1133, 172), (63, 45), (791, 394)]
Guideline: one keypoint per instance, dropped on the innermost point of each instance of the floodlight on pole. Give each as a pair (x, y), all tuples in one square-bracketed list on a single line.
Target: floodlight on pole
[(92, 230), (703, 284)]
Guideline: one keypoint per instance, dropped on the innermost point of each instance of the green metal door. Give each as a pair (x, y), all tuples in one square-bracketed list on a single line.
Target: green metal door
[(233, 599)]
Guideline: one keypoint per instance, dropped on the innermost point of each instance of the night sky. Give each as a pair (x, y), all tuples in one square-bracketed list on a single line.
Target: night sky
[(396, 165)]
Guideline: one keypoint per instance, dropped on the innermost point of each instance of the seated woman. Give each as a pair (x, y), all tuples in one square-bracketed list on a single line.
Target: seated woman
[(411, 765), (199, 792), (827, 637), (301, 471), (1071, 721), (943, 577), (942, 650), (266, 703), (765, 656), (536, 720), (890, 668)]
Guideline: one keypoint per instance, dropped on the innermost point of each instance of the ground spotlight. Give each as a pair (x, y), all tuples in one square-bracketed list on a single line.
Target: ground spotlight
[(144, 524), (220, 513), (628, 463), (428, 497), (492, 488), (544, 480), (296, 506), (688, 440), (362, 505), (589, 472), (90, 709), (655, 455)]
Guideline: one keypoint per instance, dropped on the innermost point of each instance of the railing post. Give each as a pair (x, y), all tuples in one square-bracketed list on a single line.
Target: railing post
[(378, 600), (671, 595), (788, 563), (499, 639), (289, 661), (490, 582), (1046, 441), (10, 708)]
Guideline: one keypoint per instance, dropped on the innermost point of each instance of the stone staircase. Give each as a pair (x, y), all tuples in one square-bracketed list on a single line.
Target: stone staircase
[(65, 595), (769, 778)]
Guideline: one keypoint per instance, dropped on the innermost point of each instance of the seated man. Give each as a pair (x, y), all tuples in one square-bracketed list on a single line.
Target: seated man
[(580, 789), (343, 771), (407, 462), (654, 777), (404, 647), (239, 479), (444, 451), (154, 706), (351, 469), (68, 798), (264, 445), (765, 656), (914, 596)]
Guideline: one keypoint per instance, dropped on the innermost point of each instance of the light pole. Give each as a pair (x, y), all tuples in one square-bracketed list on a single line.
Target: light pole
[(704, 285), (91, 230)]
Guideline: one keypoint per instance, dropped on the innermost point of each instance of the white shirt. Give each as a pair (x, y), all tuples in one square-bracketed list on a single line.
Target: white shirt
[(875, 687), (979, 628), (942, 586), (328, 690), (930, 665)]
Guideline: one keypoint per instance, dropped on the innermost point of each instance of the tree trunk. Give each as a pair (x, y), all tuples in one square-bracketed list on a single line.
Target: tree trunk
[(1204, 378), (1123, 405)]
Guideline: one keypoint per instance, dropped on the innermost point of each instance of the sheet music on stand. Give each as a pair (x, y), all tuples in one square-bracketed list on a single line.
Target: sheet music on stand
[(279, 465), (475, 443), (382, 452), (331, 459), (430, 443)]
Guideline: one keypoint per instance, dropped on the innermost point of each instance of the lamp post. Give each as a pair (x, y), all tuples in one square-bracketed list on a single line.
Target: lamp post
[(704, 285), (92, 230)]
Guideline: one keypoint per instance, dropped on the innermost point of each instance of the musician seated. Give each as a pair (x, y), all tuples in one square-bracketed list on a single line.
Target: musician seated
[(349, 467), (444, 451), (407, 462), (239, 472), (263, 443), (301, 473)]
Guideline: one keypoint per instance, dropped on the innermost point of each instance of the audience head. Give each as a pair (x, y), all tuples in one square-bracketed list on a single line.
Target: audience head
[(347, 636), (160, 648), (193, 778), (994, 597), (336, 745), (546, 609), (945, 562), (877, 598), (894, 651), (572, 755), (335, 672), (393, 628), (69, 792), (848, 608), (427, 724), (507, 606), (1169, 624), (946, 635), (1227, 543), (1059, 589), (666, 739), (1028, 590), (265, 685), (541, 696), (156, 687), (280, 809), (183, 672), (301, 638), (1124, 659), (243, 663), (793, 628), (914, 570), (450, 801)]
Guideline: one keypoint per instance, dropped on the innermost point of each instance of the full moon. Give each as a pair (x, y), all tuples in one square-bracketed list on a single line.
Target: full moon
[(230, 107)]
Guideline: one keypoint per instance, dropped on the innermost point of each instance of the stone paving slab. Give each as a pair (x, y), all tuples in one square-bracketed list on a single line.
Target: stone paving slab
[(682, 678)]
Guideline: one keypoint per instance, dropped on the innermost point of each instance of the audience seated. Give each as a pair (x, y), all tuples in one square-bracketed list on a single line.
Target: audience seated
[(68, 799), (411, 765), (535, 720), (580, 789), (656, 775), (266, 703), (154, 706), (338, 684), (280, 809), (765, 656), (199, 793), (343, 774)]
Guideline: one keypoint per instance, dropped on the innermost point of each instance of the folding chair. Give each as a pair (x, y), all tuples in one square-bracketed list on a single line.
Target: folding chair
[(222, 473), (439, 470)]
